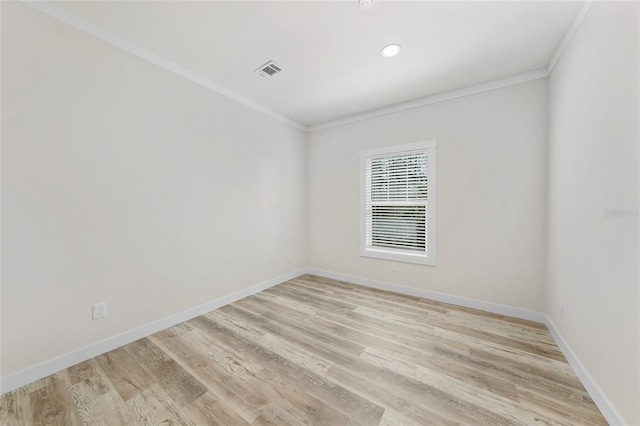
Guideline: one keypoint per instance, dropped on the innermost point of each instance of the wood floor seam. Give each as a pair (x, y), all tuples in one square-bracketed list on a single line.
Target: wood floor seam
[(317, 351)]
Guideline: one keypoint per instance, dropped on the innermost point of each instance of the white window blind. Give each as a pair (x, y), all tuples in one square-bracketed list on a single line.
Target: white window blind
[(396, 206)]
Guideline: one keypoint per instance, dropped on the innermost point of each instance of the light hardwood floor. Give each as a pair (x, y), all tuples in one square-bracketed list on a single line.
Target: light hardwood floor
[(319, 351)]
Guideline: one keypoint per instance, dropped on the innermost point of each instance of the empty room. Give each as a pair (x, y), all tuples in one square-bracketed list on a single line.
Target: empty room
[(358, 212)]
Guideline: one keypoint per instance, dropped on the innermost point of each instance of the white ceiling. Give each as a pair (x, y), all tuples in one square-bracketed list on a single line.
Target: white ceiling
[(330, 50)]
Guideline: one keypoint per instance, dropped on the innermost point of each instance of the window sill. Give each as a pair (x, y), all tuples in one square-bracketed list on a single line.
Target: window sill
[(396, 256)]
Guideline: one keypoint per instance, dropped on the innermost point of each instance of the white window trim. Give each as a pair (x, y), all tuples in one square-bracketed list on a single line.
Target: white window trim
[(400, 255)]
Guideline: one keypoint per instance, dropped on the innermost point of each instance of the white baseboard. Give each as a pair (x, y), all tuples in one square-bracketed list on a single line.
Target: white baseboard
[(606, 408), (439, 297), (39, 371), (611, 414), (47, 368)]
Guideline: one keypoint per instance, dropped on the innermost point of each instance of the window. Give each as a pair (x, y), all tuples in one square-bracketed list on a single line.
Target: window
[(398, 203)]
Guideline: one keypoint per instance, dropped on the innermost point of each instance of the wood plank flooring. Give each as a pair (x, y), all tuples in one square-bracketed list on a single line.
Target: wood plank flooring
[(322, 352)]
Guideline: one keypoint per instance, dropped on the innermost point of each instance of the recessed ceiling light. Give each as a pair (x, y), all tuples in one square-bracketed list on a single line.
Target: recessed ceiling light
[(390, 50), (366, 4)]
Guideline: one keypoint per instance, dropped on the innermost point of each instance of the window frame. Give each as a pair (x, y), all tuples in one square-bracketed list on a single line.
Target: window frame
[(399, 255)]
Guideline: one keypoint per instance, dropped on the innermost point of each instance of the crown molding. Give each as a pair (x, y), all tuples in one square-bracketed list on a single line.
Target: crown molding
[(454, 94), (471, 90), (582, 13), (63, 15)]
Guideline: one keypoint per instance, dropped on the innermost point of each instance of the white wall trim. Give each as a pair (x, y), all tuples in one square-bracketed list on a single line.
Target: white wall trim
[(608, 411), (39, 371), (61, 14), (454, 94), (29, 375), (432, 295), (582, 13)]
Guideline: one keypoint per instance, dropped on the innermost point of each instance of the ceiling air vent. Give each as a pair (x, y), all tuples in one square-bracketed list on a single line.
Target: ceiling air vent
[(269, 69)]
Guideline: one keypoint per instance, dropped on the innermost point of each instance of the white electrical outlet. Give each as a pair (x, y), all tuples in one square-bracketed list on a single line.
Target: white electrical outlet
[(560, 310), (99, 310), (394, 266), (290, 258)]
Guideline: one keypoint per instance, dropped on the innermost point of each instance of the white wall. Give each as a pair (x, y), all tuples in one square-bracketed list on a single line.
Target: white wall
[(593, 167), (124, 183), (491, 192), (118, 186)]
